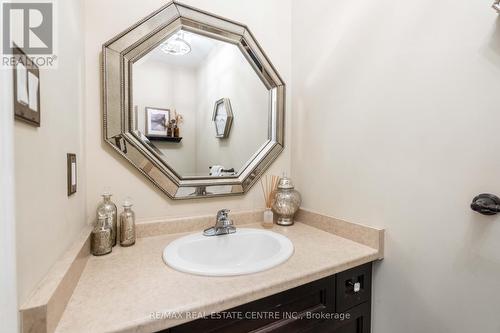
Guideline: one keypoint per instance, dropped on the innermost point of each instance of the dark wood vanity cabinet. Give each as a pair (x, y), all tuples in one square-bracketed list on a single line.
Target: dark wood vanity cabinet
[(339, 303)]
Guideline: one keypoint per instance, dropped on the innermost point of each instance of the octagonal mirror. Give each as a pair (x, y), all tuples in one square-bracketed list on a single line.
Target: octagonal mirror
[(192, 101)]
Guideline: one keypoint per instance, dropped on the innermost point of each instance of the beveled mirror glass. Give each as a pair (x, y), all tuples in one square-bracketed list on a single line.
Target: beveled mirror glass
[(191, 100)]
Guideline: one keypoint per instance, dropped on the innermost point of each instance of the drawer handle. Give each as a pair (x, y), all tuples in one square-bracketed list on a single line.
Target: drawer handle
[(356, 287)]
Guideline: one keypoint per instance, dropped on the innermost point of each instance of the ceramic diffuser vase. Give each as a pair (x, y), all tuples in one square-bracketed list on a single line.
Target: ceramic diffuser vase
[(286, 202)]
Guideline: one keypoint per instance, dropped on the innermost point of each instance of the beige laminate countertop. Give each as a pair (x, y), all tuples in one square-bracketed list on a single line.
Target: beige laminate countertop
[(120, 291)]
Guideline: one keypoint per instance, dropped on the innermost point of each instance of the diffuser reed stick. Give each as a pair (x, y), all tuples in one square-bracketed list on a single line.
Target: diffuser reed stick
[(269, 184)]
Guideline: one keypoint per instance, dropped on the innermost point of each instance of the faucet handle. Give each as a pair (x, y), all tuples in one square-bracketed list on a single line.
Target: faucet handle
[(223, 220), (223, 225), (223, 214)]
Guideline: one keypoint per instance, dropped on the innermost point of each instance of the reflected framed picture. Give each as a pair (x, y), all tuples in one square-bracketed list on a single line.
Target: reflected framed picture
[(156, 122), (26, 89), (222, 118)]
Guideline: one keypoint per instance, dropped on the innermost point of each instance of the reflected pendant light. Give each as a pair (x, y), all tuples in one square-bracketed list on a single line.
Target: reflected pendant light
[(176, 45)]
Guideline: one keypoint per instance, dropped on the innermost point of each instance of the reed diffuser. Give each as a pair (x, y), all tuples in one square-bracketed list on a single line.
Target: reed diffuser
[(269, 185)]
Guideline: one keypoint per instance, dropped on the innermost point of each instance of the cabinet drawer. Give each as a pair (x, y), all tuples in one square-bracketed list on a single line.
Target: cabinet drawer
[(315, 297), (353, 287)]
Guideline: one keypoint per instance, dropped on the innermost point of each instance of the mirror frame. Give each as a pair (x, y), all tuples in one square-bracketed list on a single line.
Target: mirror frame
[(118, 56)]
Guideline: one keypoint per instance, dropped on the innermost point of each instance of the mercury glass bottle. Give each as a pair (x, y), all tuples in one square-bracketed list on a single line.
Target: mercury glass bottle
[(100, 239), (127, 225), (108, 208), (286, 202)]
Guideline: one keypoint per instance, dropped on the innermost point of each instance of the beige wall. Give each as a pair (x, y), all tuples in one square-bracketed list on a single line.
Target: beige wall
[(191, 90), (158, 84), (47, 221), (396, 124), (249, 99), (270, 22), (8, 276)]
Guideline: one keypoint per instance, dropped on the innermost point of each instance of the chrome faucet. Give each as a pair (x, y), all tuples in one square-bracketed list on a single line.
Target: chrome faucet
[(223, 225)]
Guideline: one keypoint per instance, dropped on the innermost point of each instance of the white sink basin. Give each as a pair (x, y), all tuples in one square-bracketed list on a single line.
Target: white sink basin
[(244, 252)]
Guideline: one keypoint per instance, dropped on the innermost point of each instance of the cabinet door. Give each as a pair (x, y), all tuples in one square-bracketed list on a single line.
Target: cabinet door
[(359, 320), (354, 287)]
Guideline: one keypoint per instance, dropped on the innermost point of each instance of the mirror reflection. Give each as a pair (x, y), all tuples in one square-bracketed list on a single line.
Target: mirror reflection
[(200, 105)]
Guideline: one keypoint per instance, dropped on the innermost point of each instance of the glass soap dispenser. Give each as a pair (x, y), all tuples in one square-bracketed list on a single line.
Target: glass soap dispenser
[(108, 208), (127, 225)]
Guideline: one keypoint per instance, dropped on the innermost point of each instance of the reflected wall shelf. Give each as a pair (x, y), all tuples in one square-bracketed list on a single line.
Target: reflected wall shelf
[(165, 139)]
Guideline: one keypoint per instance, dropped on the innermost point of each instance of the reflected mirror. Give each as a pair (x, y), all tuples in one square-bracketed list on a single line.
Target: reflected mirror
[(200, 104), (192, 102)]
